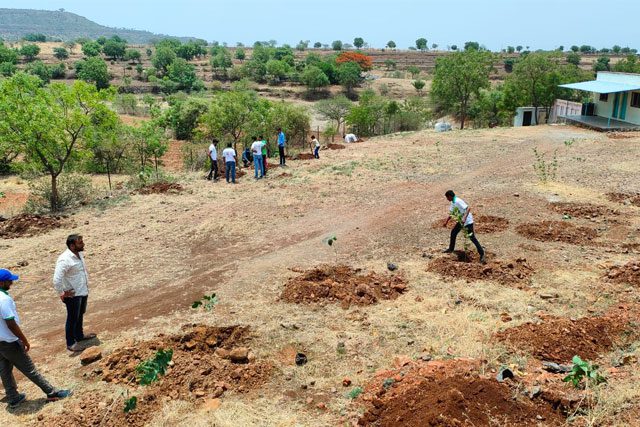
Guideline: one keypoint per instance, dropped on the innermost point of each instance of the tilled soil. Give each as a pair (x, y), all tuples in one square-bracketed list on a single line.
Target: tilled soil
[(558, 339), (342, 284), (483, 224), (512, 272), (441, 394), (625, 198), (585, 210), (557, 231), (336, 146), (304, 156), (161, 187), (200, 369), (26, 225), (628, 273)]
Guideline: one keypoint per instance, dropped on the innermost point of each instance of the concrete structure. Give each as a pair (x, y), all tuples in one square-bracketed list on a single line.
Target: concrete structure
[(616, 102), (525, 116)]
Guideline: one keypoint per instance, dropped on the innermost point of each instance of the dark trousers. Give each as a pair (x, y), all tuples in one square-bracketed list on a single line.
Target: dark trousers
[(474, 240), (13, 354), (281, 152), (213, 172), (264, 163), (315, 152), (230, 171), (76, 307)]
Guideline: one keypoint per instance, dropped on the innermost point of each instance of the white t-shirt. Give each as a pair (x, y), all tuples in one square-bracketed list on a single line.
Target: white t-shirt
[(256, 148), (214, 152), (462, 207), (350, 138), (229, 154), (7, 312), (317, 142)]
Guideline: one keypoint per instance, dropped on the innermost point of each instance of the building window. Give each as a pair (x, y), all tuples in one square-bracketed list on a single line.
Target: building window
[(604, 97), (635, 99)]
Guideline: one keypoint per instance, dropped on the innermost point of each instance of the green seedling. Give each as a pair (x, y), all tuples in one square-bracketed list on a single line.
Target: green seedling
[(130, 404), (355, 392), (207, 301), (331, 242), (545, 170), (566, 216), (388, 383), (456, 215), (569, 142), (149, 371), (583, 370)]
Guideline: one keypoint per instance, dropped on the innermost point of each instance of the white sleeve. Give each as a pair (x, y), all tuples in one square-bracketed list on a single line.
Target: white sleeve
[(7, 310), (58, 275)]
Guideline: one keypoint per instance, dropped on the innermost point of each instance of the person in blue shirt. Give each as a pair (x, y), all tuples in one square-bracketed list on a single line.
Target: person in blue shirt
[(282, 140)]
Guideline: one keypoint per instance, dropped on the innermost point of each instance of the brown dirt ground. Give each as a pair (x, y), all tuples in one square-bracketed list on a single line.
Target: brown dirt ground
[(585, 210), (516, 273), (627, 273), (558, 231), (484, 224), (558, 339), (26, 225), (342, 284), (631, 198), (336, 146), (441, 393), (304, 156), (161, 187)]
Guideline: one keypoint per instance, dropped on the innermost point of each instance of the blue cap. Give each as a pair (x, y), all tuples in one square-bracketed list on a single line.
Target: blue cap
[(6, 275)]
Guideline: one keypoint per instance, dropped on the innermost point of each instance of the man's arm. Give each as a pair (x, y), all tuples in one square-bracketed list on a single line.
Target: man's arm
[(58, 283), (466, 214), (15, 329)]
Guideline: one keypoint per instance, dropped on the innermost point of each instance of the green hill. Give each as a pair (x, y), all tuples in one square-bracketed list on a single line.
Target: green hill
[(58, 24)]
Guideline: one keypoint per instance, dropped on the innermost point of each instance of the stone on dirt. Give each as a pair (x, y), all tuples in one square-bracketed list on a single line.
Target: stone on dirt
[(90, 355)]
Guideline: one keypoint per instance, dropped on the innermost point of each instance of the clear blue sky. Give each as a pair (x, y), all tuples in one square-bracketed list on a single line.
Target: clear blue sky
[(540, 24)]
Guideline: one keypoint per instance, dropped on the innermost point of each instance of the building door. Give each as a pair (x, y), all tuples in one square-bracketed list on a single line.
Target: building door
[(616, 101), (526, 118), (623, 106)]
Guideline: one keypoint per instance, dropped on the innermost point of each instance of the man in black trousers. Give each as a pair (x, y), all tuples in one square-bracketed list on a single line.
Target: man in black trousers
[(461, 212)]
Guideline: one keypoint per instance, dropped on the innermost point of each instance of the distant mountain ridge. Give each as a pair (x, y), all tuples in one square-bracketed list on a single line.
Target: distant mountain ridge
[(16, 23)]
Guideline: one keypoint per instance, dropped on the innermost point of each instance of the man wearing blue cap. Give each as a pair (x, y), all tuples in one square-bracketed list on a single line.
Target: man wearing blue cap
[(14, 347)]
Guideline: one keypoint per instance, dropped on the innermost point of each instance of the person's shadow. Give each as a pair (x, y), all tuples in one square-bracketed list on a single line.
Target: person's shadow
[(27, 407)]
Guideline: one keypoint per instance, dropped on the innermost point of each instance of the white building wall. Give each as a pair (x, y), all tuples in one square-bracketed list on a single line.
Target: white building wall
[(633, 113), (605, 109)]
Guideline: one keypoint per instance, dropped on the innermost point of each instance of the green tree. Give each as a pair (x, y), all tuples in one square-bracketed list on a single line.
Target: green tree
[(390, 64), (421, 44), (114, 49), (574, 58), (454, 47), (414, 71), (336, 45), (302, 45), (511, 49), (49, 123), (41, 70), (183, 115), (30, 51), (367, 118), (616, 49), (93, 70), (7, 69), (149, 143), (602, 64), (472, 46), (221, 62), (60, 53), (240, 54), (334, 109), (418, 85), (391, 44), (39, 37), (91, 48), (276, 70), (163, 57), (629, 64), (358, 42), (133, 55), (108, 145), (349, 75), (7, 55), (314, 78), (458, 79), (317, 45), (181, 76)]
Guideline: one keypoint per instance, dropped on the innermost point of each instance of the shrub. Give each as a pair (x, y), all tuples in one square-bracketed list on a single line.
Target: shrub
[(60, 53), (195, 157), (8, 69), (336, 45), (362, 60), (29, 51), (58, 71), (126, 104), (73, 190)]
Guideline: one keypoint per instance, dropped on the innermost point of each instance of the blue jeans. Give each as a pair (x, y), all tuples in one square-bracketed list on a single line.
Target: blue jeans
[(315, 152), (258, 165), (230, 170), (76, 307)]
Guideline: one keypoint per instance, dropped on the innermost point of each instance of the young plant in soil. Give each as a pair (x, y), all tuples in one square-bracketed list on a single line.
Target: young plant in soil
[(331, 241), (355, 392), (546, 171), (149, 371), (207, 301), (456, 214), (130, 404), (583, 370)]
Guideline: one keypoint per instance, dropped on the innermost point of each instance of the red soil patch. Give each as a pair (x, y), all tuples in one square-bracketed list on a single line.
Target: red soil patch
[(485, 224), (458, 266), (628, 273), (449, 393), (342, 283), (626, 198), (304, 156), (173, 158), (161, 187), (27, 225), (557, 231), (284, 175), (336, 146), (558, 339), (199, 371), (585, 210), (13, 202)]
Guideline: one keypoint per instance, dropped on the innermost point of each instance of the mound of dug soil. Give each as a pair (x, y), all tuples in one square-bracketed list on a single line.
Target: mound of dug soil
[(424, 396), (626, 198), (342, 284), (303, 156), (484, 224), (161, 187), (558, 339), (516, 272), (585, 210), (557, 231), (336, 146), (628, 273), (27, 225), (207, 361)]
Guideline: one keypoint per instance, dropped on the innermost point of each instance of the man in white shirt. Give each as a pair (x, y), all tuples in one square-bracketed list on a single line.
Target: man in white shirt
[(350, 137), (461, 212), (229, 155), (14, 347), (316, 146), (256, 151), (71, 282), (213, 157)]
